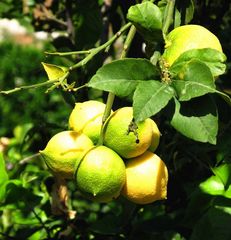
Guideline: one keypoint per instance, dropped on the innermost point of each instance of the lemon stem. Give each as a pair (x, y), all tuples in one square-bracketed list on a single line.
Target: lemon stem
[(168, 17), (111, 96)]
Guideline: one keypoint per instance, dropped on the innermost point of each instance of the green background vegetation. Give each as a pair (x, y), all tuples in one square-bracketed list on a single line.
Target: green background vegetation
[(198, 205)]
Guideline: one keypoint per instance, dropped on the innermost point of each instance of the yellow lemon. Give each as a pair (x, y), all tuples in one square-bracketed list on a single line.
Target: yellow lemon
[(188, 37), (119, 134), (64, 151), (101, 174), (155, 136), (146, 179), (86, 117)]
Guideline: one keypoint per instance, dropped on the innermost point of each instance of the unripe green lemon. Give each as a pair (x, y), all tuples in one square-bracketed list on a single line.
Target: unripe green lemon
[(155, 136), (64, 151), (101, 174), (86, 117), (188, 37), (118, 134), (146, 179)]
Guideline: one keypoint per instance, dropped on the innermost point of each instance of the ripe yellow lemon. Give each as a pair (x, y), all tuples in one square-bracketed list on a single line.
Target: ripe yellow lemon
[(188, 37), (146, 179), (126, 143), (101, 174), (86, 117), (155, 136), (64, 151)]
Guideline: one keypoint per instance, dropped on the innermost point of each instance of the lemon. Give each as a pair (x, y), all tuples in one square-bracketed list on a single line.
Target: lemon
[(146, 179), (86, 117), (117, 136), (188, 37), (155, 136), (64, 150), (101, 174)]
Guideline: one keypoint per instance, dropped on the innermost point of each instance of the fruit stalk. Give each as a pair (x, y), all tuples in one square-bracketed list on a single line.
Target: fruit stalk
[(111, 96)]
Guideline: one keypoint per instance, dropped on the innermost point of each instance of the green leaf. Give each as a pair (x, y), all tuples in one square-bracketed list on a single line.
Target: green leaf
[(122, 76), (3, 172), (215, 224), (147, 18), (195, 80), (3, 177), (196, 119), (212, 58), (185, 12), (220, 183), (54, 71), (149, 98)]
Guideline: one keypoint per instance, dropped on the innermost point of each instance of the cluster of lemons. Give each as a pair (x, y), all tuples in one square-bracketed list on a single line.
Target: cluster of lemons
[(124, 165)]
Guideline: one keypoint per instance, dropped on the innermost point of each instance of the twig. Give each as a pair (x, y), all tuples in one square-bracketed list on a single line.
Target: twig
[(68, 53), (42, 223), (28, 159), (95, 51)]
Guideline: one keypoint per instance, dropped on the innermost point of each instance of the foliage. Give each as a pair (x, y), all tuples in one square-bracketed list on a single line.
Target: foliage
[(190, 102)]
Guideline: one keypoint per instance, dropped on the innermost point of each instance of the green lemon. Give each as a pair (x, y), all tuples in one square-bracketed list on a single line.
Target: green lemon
[(119, 134), (188, 37), (64, 151), (86, 117), (101, 174)]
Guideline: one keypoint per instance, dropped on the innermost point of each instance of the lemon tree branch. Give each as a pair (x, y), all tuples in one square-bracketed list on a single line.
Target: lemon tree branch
[(95, 51)]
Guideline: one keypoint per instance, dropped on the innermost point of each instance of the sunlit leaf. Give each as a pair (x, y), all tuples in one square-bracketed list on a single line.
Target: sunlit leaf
[(121, 77), (214, 59), (220, 183), (193, 80), (54, 71), (3, 177), (147, 18)]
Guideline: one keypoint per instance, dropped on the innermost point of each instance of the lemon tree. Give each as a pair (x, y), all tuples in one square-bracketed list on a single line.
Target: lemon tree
[(64, 150), (127, 138), (101, 174), (148, 61), (146, 179)]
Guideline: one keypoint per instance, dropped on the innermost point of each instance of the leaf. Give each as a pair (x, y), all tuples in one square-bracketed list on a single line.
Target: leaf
[(147, 18), (122, 76), (54, 71), (215, 224), (3, 177), (3, 172), (149, 98), (220, 184), (195, 80), (185, 10), (212, 58), (196, 119)]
